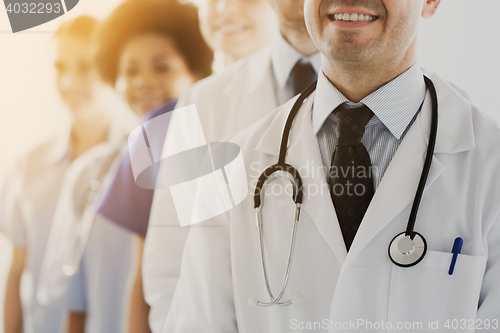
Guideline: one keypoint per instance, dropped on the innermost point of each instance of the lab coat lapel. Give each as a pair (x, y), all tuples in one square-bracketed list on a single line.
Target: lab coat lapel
[(317, 202), (399, 183), (303, 153), (255, 73), (397, 188), (254, 87)]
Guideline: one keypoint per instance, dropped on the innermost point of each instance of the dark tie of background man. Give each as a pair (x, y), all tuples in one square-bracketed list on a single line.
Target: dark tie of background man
[(303, 74)]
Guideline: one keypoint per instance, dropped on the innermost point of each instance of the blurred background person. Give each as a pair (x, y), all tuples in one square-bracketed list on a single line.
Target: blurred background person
[(233, 28), (247, 91), (150, 51), (33, 187)]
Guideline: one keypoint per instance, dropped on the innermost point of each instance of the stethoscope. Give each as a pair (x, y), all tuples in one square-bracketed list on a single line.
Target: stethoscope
[(405, 250), (75, 245)]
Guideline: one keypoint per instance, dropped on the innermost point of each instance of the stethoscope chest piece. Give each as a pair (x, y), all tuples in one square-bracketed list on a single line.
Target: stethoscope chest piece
[(407, 252)]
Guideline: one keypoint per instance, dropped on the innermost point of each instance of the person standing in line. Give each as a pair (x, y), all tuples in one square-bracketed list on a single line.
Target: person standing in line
[(233, 29), (33, 187), (150, 51), (245, 92)]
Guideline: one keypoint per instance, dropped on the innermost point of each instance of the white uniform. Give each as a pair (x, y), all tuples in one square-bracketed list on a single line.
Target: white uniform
[(361, 290), (102, 286), (247, 91), (29, 201)]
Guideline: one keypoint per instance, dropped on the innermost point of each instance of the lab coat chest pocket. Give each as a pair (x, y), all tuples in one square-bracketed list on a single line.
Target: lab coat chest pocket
[(427, 294)]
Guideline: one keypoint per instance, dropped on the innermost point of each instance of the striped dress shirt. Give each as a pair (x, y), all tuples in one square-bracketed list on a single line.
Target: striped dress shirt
[(395, 106)]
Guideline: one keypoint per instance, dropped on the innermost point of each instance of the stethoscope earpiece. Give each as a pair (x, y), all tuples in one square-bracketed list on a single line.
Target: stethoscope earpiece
[(297, 298), (254, 301)]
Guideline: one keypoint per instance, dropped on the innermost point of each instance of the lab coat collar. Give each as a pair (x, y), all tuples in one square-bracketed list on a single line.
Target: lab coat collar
[(121, 122), (397, 189), (395, 103), (251, 71), (61, 144), (455, 127), (279, 57)]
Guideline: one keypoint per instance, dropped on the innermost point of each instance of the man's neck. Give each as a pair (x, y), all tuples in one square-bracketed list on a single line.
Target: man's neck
[(357, 81), (299, 39)]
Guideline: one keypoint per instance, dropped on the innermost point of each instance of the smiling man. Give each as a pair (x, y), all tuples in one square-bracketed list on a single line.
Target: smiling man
[(352, 266), (366, 43)]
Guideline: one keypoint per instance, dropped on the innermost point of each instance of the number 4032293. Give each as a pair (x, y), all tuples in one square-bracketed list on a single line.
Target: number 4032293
[(34, 8)]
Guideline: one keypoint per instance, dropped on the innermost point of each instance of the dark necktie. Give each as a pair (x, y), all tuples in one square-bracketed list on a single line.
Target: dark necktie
[(350, 176), (303, 74)]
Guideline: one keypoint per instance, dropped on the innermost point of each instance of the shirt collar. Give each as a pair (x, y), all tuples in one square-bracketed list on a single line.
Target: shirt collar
[(118, 130), (284, 57), (395, 104)]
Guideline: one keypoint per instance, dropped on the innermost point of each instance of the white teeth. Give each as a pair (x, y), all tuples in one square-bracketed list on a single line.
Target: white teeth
[(353, 17)]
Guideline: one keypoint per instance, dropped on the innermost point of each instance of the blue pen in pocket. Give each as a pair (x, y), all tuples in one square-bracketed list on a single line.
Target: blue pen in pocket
[(457, 247)]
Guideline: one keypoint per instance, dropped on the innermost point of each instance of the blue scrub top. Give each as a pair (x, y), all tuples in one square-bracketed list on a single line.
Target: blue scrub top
[(125, 203)]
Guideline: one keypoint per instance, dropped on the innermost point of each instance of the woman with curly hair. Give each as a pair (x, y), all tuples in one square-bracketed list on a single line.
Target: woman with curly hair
[(233, 29)]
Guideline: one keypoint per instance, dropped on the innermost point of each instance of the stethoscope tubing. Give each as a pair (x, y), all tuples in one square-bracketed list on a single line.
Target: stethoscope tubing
[(297, 194), (428, 160)]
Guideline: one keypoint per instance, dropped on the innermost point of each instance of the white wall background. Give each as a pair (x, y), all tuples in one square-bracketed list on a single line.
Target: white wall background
[(461, 43)]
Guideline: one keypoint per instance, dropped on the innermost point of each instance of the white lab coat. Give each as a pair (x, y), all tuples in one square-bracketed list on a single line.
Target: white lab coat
[(226, 103), (29, 199), (102, 285), (221, 266), (33, 195)]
